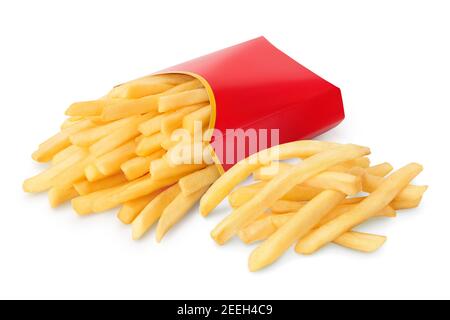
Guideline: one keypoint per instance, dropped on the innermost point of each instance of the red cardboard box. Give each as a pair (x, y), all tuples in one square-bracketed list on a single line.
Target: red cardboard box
[(255, 86)]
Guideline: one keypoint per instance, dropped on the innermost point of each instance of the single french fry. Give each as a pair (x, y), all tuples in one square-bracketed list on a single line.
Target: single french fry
[(73, 174), (64, 154), (151, 126), (174, 120), (176, 210), (339, 181), (143, 105), (240, 171), (367, 208), (84, 205), (45, 180), (364, 242), (88, 137), (182, 99), (110, 163), (387, 212), (380, 170), (149, 85), (186, 86), (153, 211), (410, 194), (58, 142), (172, 78), (139, 166), (303, 221), (149, 145), (70, 121), (136, 189), (260, 229), (57, 196), (119, 136), (85, 187), (406, 203), (280, 185), (361, 162), (198, 180), (86, 108), (160, 169), (92, 173), (202, 115), (136, 90), (131, 209), (241, 195)]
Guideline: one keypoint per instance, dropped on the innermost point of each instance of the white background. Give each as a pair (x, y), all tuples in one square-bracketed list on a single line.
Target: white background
[(391, 60)]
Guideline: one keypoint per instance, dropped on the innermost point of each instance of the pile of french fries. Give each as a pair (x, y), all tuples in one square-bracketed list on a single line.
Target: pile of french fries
[(121, 151), (332, 190), (113, 152)]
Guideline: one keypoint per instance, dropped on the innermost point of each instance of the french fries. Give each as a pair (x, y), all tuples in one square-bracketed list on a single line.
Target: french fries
[(201, 116), (243, 194), (124, 151), (139, 166), (86, 187), (135, 189), (119, 136), (88, 137), (64, 154), (92, 173), (182, 99), (364, 242), (84, 205), (59, 141), (377, 200), (110, 163), (344, 182), (263, 228), (133, 107), (153, 211), (45, 180), (280, 185), (110, 153), (86, 108), (149, 145), (380, 170), (243, 169), (298, 225), (174, 120), (151, 126), (148, 86), (176, 210), (312, 203), (131, 209), (160, 169), (198, 180), (57, 196)]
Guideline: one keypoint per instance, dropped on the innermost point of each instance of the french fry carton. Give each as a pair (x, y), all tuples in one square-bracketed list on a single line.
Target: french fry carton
[(260, 97)]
